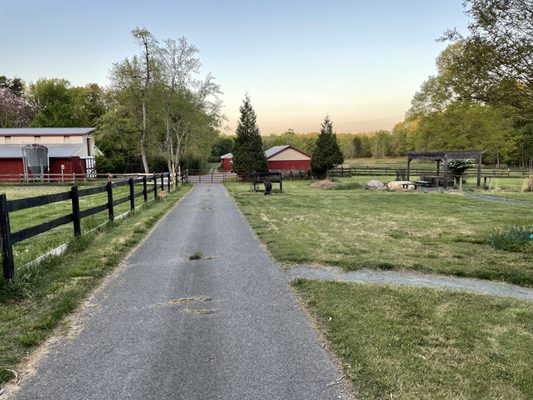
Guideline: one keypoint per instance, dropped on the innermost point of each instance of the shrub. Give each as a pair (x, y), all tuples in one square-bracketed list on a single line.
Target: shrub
[(458, 167), (527, 186), (514, 238), (348, 186)]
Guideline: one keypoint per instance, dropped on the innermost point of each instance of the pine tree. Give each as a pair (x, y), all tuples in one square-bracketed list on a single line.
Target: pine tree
[(327, 153), (248, 155)]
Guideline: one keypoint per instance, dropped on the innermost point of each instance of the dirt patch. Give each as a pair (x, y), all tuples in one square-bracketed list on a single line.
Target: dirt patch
[(325, 184)]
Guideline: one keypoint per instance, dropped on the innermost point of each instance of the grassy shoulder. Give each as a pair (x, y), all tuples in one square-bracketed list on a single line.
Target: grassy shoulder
[(30, 249), (35, 302), (418, 343), (431, 232)]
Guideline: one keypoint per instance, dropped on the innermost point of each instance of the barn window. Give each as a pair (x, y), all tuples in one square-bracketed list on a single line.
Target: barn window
[(66, 139), (7, 139), (36, 139)]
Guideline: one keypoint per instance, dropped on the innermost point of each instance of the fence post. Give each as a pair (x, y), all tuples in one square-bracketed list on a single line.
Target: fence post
[(75, 211), (162, 183), (132, 194), (109, 188), (155, 187), (169, 176), (145, 189), (8, 264)]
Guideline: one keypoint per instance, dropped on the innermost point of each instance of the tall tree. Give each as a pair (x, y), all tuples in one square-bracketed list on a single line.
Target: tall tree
[(15, 112), (248, 155), (53, 101), (495, 64), (327, 153), (147, 42), (15, 85)]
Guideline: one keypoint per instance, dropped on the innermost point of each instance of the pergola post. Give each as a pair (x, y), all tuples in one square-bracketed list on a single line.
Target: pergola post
[(408, 168), (438, 167), (479, 171), (445, 162)]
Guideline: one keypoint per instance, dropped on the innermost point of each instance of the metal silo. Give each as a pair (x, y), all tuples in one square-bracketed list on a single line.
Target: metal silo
[(35, 158)]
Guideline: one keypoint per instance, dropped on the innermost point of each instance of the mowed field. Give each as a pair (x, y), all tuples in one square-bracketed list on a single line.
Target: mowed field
[(399, 342), (32, 248), (355, 229)]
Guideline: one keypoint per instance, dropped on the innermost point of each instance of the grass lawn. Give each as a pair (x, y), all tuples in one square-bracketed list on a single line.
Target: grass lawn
[(30, 249), (419, 343), (432, 232), (34, 303)]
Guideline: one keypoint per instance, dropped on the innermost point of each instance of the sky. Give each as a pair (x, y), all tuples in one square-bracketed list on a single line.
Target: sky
[(360, 62)]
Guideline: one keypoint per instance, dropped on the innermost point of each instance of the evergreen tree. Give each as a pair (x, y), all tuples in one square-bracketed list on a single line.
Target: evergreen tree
[(327, 153), (248, 155)]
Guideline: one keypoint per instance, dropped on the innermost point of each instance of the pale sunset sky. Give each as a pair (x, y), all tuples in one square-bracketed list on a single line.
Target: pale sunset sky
[(358, 61)]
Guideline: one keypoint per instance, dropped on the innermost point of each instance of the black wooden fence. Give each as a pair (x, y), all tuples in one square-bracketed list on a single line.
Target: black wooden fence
[(8, 238), (386, 171)]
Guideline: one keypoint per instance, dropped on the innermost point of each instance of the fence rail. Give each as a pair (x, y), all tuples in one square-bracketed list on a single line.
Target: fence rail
[(8, 238), (384, 171)]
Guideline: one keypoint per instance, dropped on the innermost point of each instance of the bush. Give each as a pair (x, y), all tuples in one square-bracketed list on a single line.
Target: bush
[(527, 186), (348, 186), (514, 238), (458, 167)]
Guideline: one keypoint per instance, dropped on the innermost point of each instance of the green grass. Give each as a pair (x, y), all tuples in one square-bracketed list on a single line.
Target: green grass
[(35, 302), (431, 232), (30, 249), (418, 343)]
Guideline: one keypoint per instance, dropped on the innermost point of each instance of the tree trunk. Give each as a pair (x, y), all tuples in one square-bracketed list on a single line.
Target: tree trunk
[(143, 140)]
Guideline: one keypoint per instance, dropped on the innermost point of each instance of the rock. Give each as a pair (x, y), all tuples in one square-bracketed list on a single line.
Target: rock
[(401, 185), (374, 185)]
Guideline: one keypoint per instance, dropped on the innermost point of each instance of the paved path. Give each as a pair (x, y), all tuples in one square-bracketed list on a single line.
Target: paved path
[(407, 278), (143, 340)]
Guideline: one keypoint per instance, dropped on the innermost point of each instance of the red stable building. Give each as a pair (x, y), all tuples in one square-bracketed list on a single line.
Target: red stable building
[(287, 158), (70, 150)]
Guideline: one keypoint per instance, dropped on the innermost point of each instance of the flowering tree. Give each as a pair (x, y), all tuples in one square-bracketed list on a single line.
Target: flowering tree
[(15, 112)]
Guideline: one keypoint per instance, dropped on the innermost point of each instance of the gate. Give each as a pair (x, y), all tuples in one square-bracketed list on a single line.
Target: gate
[(211, 176)]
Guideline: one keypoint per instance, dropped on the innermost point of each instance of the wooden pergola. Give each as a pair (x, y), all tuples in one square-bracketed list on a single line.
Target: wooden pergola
[(445, 156)]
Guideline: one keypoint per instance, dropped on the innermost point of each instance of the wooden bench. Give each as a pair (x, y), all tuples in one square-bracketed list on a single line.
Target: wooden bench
[(422, 184), (261, 177)]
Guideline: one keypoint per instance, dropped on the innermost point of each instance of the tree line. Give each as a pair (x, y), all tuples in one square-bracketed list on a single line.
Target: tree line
[(158, 114), (480, 99)]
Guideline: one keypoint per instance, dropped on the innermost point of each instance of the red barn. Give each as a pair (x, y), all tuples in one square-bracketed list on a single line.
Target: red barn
[(225, 162), (70, 150), (287, 158)]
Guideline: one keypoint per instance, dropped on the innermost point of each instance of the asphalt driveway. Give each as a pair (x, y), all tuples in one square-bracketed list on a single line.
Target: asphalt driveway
[(224, 326)]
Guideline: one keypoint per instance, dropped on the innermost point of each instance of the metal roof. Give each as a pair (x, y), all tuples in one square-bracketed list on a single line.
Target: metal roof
[(278, 149), (45, 131), (54, 151), (275, 150)]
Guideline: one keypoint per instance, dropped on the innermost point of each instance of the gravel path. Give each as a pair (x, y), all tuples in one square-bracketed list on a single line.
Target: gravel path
[(165, 327), (404, 278), (498, 199)]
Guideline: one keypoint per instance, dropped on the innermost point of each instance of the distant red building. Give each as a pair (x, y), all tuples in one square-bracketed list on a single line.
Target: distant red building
[(287, 158), (225, 162)]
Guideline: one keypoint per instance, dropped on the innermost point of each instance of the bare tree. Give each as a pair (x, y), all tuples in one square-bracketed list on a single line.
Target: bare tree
[(148, 45)]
